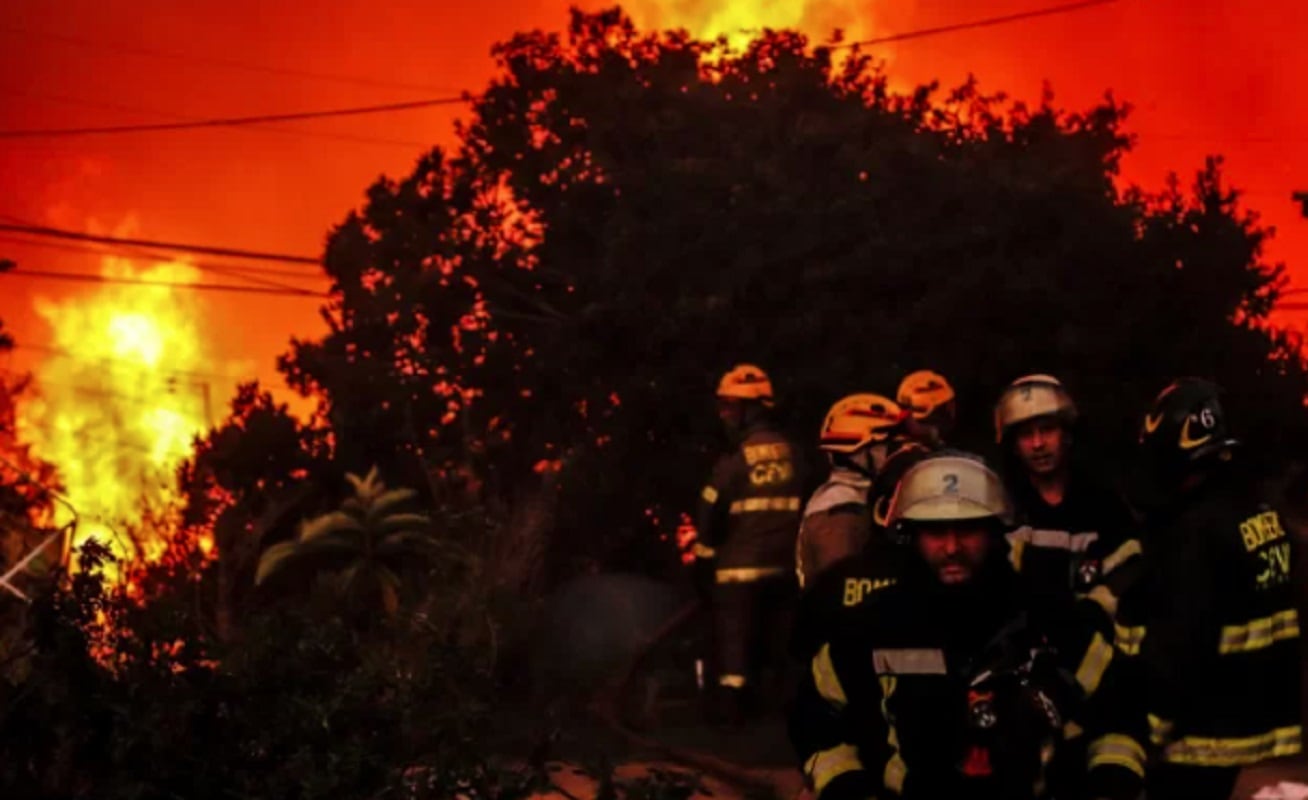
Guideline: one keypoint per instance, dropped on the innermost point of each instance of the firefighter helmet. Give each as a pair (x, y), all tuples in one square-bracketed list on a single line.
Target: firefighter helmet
[(924, 393), (746, 382), (859, 420), (949, 486), (1186, 424), (1029, 397)]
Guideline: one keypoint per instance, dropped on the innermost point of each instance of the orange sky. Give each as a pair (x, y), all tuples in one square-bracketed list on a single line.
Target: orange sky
[(1205, 76)]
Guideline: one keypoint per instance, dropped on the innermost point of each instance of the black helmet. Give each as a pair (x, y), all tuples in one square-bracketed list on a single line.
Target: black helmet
[(1185, 427)]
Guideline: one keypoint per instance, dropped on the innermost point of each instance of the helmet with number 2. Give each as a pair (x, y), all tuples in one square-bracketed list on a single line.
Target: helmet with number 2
[(950, 487)]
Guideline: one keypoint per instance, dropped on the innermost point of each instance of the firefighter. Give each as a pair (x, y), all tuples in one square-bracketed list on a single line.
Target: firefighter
[(832, 600), (953, 686), (930, 400), (747, 521), (1213, 620), (857, 437), (1075, 532), (843, 556)]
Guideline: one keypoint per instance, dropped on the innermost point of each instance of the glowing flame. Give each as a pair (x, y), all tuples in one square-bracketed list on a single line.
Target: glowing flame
[(742, 20), (118, 402)]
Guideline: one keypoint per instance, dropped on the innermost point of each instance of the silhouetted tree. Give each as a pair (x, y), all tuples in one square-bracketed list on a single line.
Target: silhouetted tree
[(547, 305)]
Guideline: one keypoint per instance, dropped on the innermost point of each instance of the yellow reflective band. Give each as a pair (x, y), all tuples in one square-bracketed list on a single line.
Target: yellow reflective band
[(1259, 633), (825, 678), (1094, 664), (731, 680), (747, 574), (1015, 551), (709, 494), (1118, 750), (1131, 547), (1210, 752), (1128, 640), (701, 550), (825, 766), (1103, 597), (908, 661), (1160, 730), (752, 505), (1054, 540), (1072, 731), (896, 768)]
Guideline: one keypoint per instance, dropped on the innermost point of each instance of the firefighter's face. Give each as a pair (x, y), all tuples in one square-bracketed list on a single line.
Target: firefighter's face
[(956, 552), (1042, 445)]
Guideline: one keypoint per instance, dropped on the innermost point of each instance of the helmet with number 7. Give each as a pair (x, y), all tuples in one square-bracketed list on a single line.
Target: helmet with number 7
[(1186, 427), (1030, 397)]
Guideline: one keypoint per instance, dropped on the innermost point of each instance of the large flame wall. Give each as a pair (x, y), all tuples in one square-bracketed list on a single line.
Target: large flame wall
[(117, 401)]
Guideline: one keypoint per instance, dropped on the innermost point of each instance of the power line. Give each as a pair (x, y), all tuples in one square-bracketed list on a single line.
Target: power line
[(230, 252), (227, 122), (345, 137), (200, 287), (141, 255), (229, 63), (217, 270), (136, 253), (980, 23)]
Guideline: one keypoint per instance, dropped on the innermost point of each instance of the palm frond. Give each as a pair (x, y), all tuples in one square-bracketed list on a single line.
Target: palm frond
[(368, 486), (397, 523), (383, 503), (329, 523), (272, 560)]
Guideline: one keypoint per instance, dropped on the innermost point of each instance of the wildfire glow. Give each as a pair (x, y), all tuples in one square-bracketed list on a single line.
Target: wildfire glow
[(742, 20), (118, 401)]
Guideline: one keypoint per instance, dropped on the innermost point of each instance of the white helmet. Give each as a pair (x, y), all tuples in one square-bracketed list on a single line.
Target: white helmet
[(949, 486), (1029, 397)]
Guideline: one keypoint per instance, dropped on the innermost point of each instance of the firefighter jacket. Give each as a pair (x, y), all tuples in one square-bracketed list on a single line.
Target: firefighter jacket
[(968, 692), (1214, 623), (1086, 544), (836, 523), (831, 605), (749, 512)]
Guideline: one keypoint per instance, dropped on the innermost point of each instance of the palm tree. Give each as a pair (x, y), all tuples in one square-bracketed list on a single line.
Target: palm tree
[(367, 543)]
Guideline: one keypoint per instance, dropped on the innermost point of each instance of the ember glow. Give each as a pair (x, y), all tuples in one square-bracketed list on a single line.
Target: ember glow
[(118, 402)]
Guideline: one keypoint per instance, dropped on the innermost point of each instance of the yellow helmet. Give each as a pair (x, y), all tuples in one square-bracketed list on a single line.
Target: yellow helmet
[(746, 382), (1029, 397), (858, 420), (924, 392), (949, 486)]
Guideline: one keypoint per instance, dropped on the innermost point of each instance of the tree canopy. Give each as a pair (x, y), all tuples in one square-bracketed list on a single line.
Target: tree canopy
[(627, 213)]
